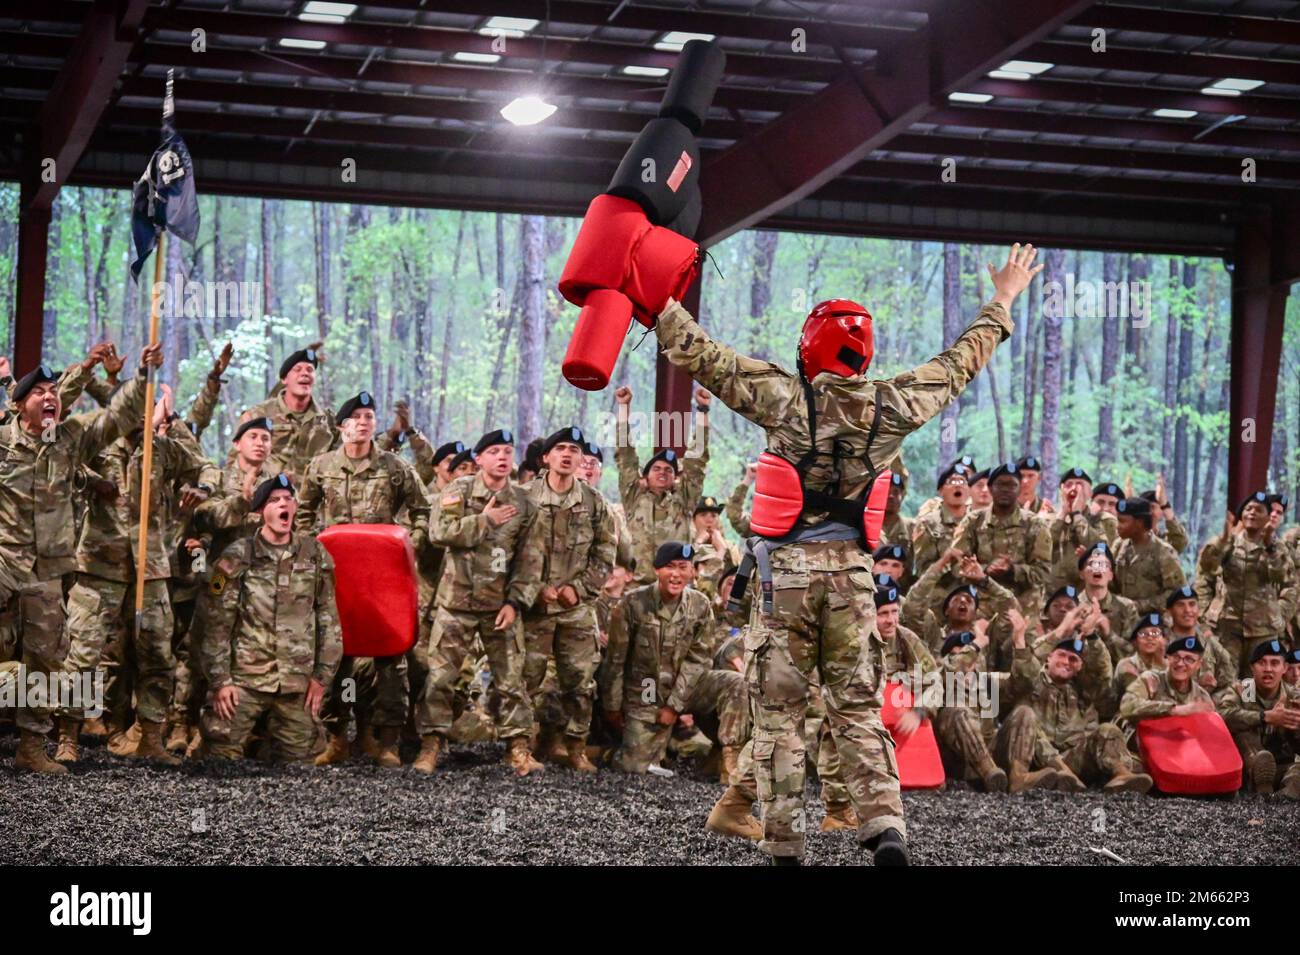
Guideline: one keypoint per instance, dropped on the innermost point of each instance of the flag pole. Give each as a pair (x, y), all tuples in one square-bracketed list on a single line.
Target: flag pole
[(146, 460), (146, 463)]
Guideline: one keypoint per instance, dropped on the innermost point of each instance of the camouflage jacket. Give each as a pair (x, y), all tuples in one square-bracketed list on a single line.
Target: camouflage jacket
[(1172, 531), (1243, 706), (374, 489), (486, 567), (299, 436), (578, 540), (1146, 573), (1122, 615), (1065, 711), (710, 564), (657, 652), (37, 530), (623, 555), (109, 534), (897, 529), (735, 510), (1152, 695), (774, 399), (1129, 669), (225, 517), (1072, 531), (1019, 536), (654, 517), (906, 661), (932, 534), (923, 607), (268, 619), (1253, 585)]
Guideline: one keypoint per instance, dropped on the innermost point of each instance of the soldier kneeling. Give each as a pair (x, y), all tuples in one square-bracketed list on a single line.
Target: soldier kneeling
[(659, 667), (270, 633)]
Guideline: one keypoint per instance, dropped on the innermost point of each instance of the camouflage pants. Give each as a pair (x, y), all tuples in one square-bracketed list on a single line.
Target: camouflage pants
[(570, 639), (37, 637), (290, 729), (723, 691), (187, 691), (1250, 742), (100, 628), (1094, 756), (451, 640), (384, 706), (1233, 639), (964, 735), (822, 622)]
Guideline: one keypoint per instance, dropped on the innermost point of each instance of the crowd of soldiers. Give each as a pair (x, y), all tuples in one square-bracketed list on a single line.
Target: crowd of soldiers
[(586, 632)]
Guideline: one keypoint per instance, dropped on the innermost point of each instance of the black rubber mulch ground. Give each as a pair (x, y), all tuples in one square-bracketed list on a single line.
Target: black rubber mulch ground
[(109, 811)]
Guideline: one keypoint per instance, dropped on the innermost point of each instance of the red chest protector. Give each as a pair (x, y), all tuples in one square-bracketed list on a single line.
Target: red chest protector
[(780, 496)]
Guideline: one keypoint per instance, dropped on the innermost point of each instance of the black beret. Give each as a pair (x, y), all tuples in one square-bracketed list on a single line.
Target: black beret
[(1278, 499), (267, 487), (667, 454), (1029, 463), (1111, 488), (1101, 547), (264, 423), (961, 638), (1072, 645), (979, 476), (37, 376), (886, 595), (890, 552), (1293, 656), (955, 468), (1076, 474), (1192, 643), (499, 436), (966, 589), (302, 354), (673, 550), (728, 570), (1269, 648), (884, 580), (1066, 591), (966, 461), (462, 457), (1182, 593), (361, 400), (1148, 496), (1006, 467), (447, 450), (573, 435), (1259, 497), (707, 503), (594, 450), (1145, 621), (897, 480), (1134, 507)]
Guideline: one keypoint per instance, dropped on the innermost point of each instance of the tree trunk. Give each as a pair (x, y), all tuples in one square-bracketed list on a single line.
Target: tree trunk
[(949, 419), (173, 317), (992, 372), (50, 320), (1110, 357), (533, 333), (1181, 483), (321, 232), (760, 285), (1139, 269), (1054, 272), (1173, 323), (1033, 303), (1210, 516), (92, 293), (444, 359)]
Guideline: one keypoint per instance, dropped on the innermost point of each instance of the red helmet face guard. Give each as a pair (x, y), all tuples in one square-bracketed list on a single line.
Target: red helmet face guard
[(836, 338)]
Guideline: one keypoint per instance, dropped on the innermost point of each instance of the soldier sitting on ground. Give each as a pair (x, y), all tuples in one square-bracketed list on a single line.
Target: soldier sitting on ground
[(1263, 713)]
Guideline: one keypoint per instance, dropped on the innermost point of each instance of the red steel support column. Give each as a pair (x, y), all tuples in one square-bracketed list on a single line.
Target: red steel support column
[(29, 311), (673, 387), (1258, 310)]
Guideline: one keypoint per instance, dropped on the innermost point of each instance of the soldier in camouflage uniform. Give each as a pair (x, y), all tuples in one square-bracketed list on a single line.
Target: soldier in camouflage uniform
[(578, 554), (1080, 525), (303, 429), (716, 552), (945, 600), (100, 602), (1248, 580), (660, 668), (39, 457), (1170, 691), (1148, 639), (933, 533), (491, 574), (896, 528), (360, 484), (1263, 713), (1183, 614), (822, 613), (1012, 545), (1165, 523), (658, 498), (593, 466), (270, 638), (737, 516), (1096, 568), (1031, 473), (1146, 568), (1053, 721)]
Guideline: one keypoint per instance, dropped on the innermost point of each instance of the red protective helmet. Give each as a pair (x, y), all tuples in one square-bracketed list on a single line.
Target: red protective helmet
[(836, 338)]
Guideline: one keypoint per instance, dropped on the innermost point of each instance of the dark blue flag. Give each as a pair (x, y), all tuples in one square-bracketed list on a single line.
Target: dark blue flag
[(164, 197)]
